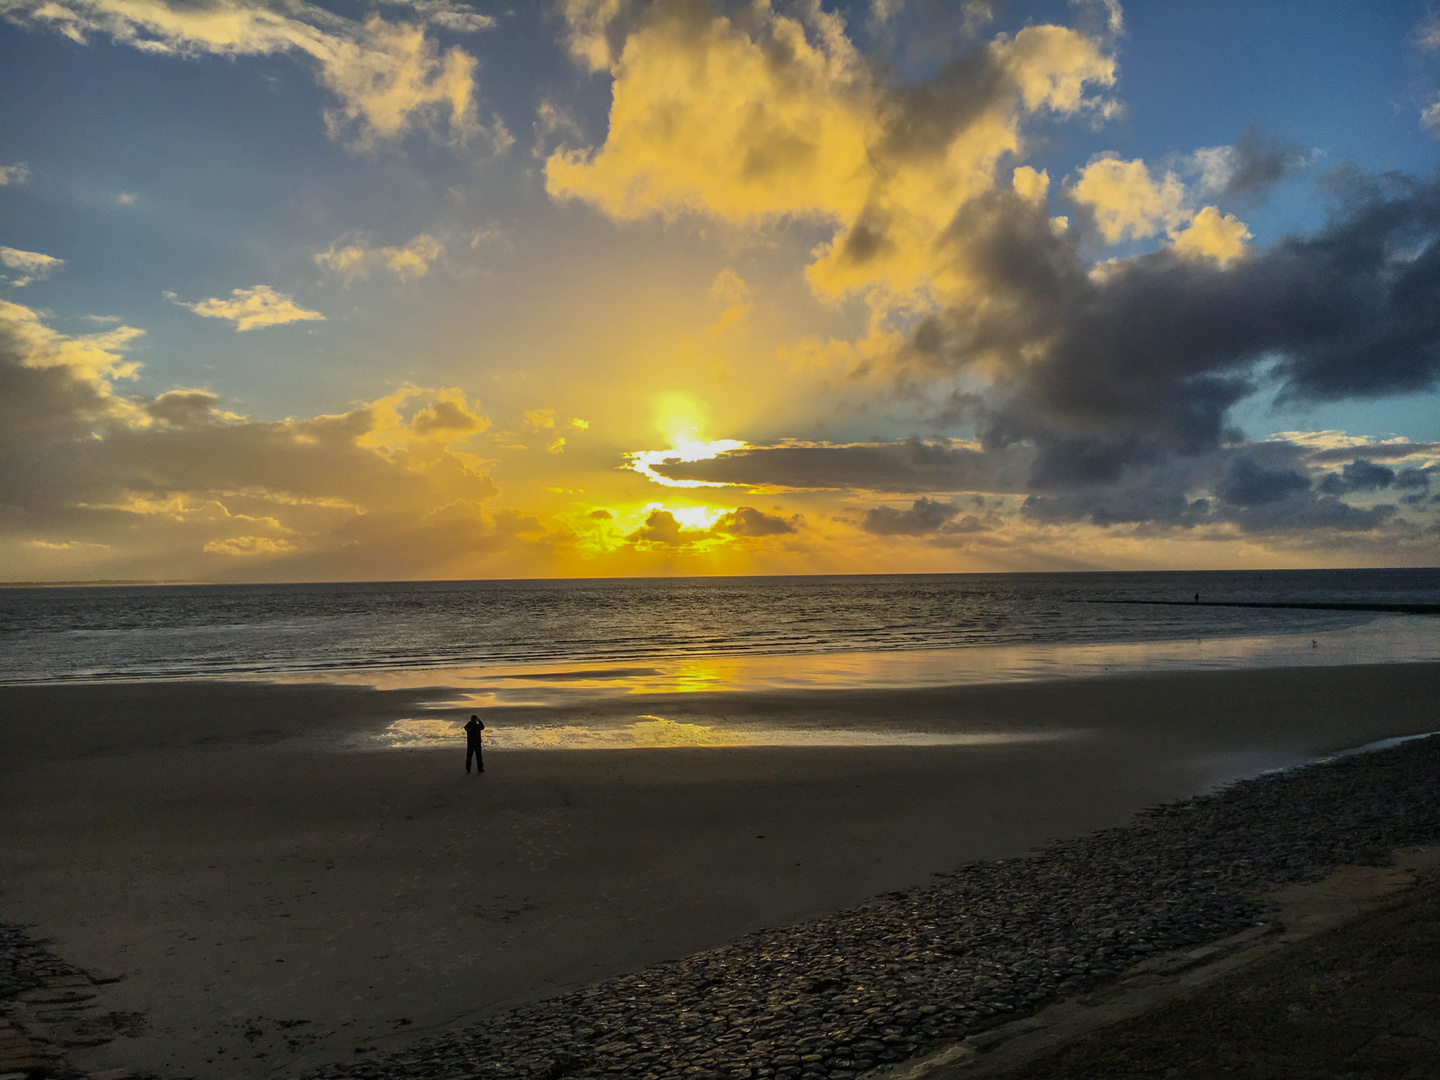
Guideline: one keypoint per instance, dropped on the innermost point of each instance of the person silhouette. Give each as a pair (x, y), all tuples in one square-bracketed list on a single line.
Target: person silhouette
[(472, 744)]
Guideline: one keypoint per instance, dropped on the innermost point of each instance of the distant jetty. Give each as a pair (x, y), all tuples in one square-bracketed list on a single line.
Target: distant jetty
[(1402, 609)]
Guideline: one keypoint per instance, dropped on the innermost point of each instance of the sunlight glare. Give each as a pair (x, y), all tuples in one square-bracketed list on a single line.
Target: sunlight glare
[(644, 461)]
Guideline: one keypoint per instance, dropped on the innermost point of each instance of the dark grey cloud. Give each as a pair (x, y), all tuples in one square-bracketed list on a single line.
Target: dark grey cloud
[(1300, 514), (1414, 478), (1258, 162), (1257, 488), (1248, 483), (747, 521), (923, 516), (1387, 451), (1359, 475), (911, 466), (183, 407), (662, 527), (1136, 505), (1108, 374)]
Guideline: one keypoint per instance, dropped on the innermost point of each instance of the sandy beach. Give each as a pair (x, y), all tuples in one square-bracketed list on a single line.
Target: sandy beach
[(216, 844)]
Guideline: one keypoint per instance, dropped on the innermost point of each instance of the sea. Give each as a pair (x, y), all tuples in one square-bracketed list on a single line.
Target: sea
[(107, 633), (557, 649)]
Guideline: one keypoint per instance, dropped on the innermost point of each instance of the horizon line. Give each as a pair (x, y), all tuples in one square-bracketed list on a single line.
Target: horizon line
[(81, 583)]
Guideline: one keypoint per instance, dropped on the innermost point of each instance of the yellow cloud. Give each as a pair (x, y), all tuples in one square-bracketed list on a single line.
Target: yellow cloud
[(1127, 201), (703, 119), (776, 116), (731, 288), (588, 25), (1130, 203), (17, 174), (386, 76), (446, 417), (1029, 184), (174, 481), (33, 266), (1053, 65), (94, 359), (248, 546), (251, 309), (409, 262), (1213, 235)]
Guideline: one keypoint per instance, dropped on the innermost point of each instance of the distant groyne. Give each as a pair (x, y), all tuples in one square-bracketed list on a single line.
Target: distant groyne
[(1402, 609)]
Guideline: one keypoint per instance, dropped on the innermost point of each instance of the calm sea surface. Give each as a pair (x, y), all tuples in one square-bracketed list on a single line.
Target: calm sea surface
[(150, 632)]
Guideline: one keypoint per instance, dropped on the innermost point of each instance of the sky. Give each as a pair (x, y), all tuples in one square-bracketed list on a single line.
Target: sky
[(426, 290)]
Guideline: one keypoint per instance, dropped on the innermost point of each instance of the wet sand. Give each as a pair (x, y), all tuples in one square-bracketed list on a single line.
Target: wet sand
[(210, 841)]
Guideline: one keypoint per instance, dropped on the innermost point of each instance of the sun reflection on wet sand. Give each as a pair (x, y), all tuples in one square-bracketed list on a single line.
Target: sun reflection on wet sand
[(1390, 639), (656, 732)]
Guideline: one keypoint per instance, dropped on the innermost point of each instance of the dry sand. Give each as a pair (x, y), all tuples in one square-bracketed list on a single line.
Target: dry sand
[(208, 841)]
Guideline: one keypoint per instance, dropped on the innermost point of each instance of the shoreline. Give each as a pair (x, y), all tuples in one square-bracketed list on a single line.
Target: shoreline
[(244, 875), (1381, 638)]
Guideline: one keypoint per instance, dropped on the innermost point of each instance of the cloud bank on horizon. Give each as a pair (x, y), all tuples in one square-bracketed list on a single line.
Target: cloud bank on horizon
[(777, 287)]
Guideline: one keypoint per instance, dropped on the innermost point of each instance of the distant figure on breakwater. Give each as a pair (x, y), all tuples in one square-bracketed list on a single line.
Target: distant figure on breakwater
[(1197, 598), (472, 744)]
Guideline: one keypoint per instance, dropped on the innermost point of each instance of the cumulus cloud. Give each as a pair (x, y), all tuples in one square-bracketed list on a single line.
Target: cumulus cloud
[(32, 265), (661, 528), (923, 516), (382, 489), (595, 30), (1430, 117), (1128, 203), (16, 174), (911, 466), (1100, 374), (387, 77), (748, 521), (1100, 393), (1248, 483), (352, 257), (767, 116), (1213, 235), (1363, 474), (1248, 169), (251, 309)]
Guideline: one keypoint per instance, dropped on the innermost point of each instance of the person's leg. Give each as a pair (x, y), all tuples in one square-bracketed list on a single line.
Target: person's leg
[(469, 753), (479, 759)]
